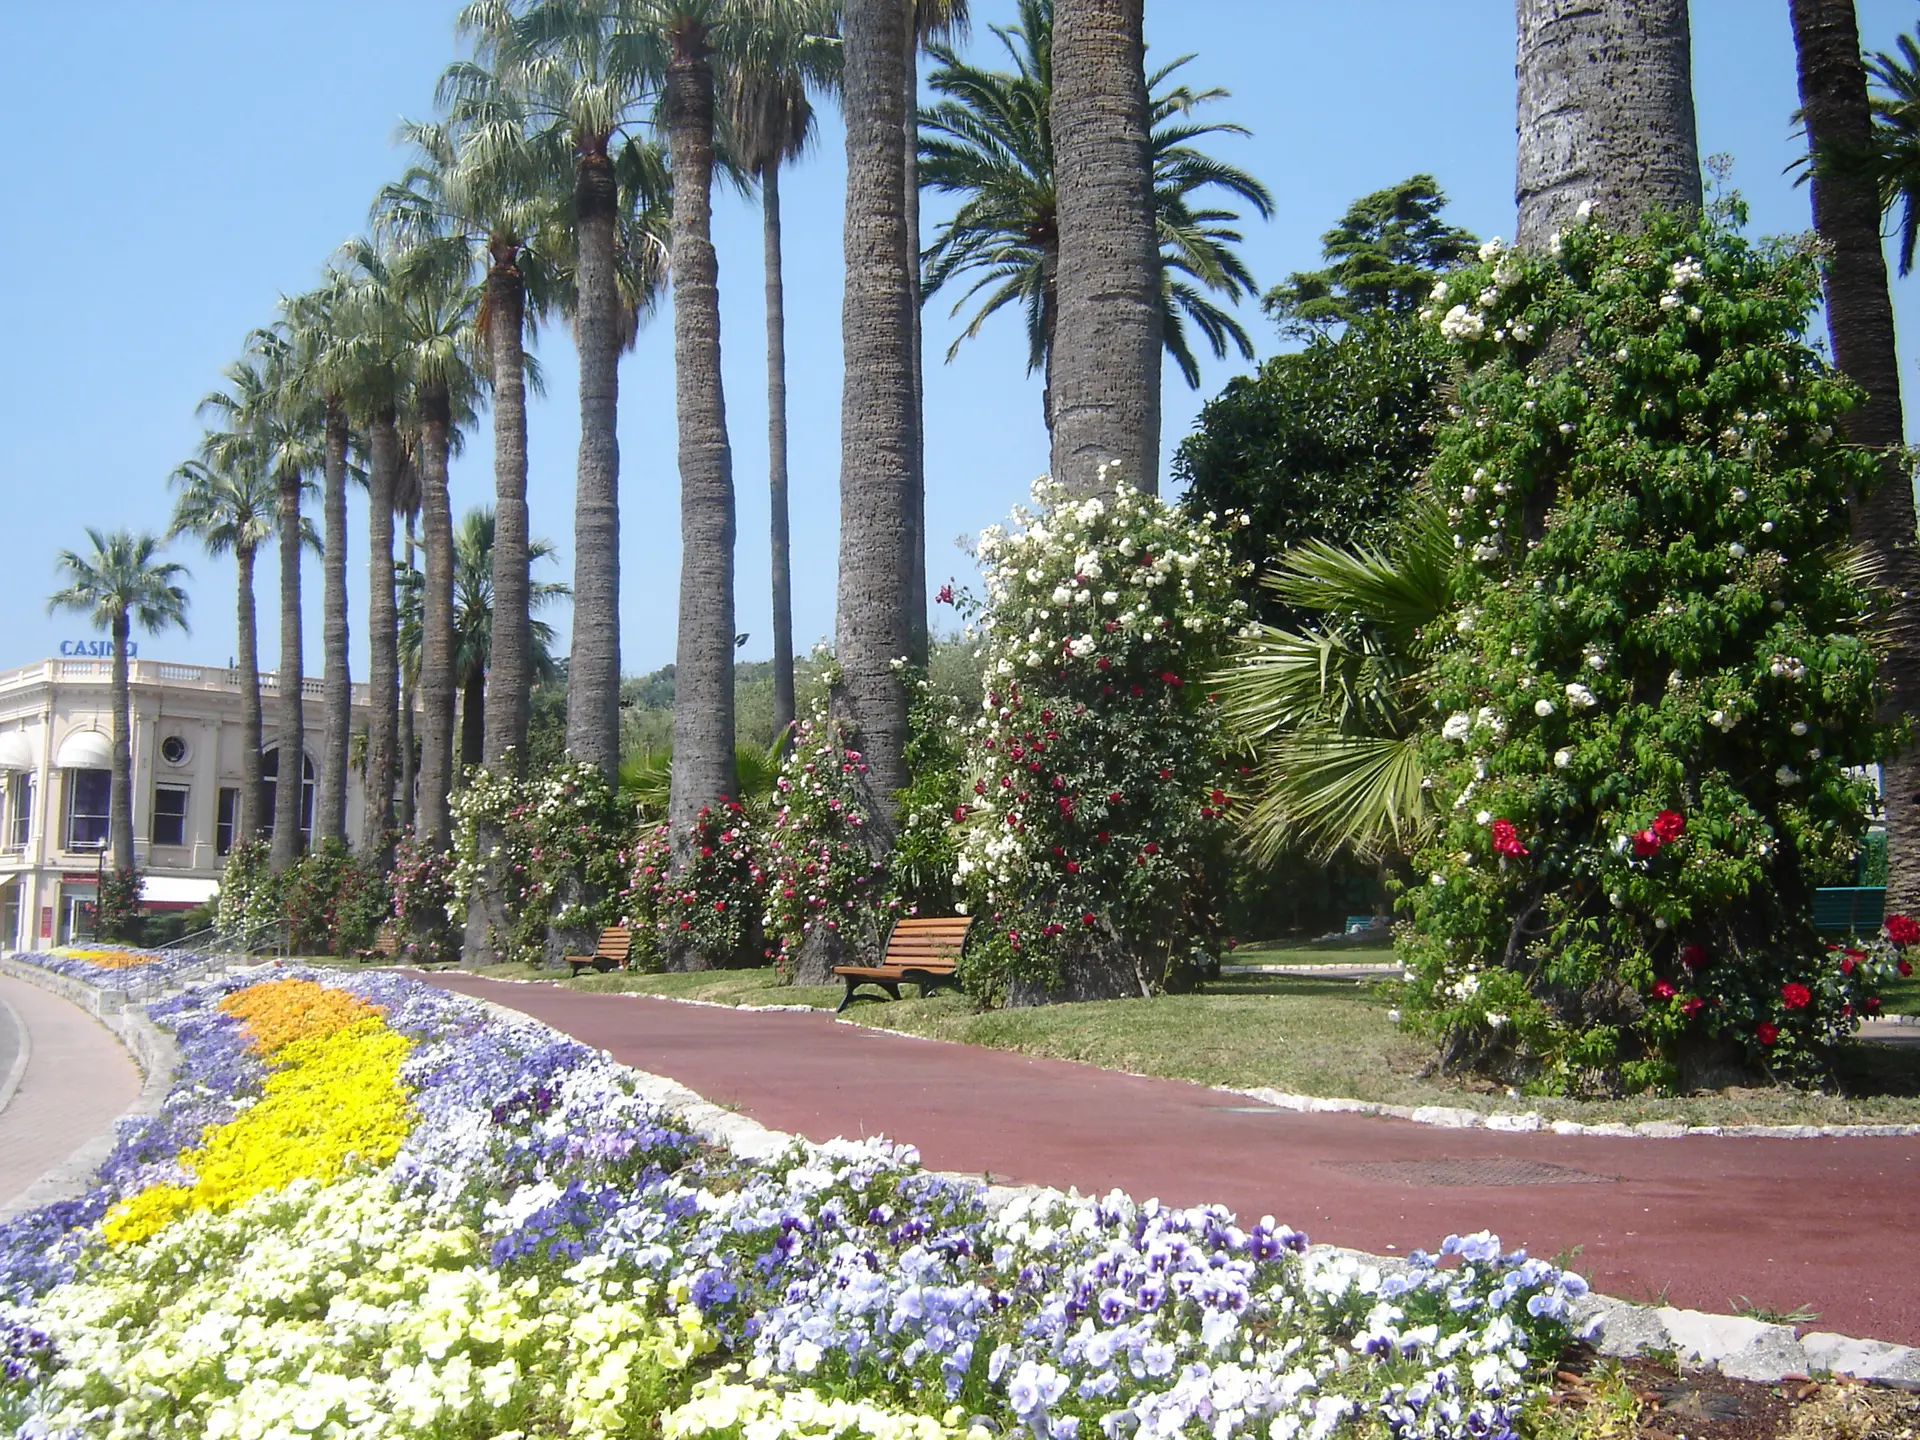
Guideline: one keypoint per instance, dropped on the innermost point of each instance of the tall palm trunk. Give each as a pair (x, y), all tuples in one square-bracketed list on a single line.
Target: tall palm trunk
[(436, 622), (1846, 215), (783, 696), (593, 666), (872, 628), (916, 556), (509, 675), (409, 707), (120, 802), (494, 717), (1605, 99), (292, 741), (1049, 317), (473, 722), (703, 774), (336, 685), (1105, 374), (247, 821), (382, 638)]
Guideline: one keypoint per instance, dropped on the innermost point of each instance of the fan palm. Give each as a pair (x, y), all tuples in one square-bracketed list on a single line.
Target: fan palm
[(232, 511), (1896, 139), (273, 424), (646, 777), (120, 584), (316, 325), (769, 120), (578, 69), (989, 141), (1332, 711)]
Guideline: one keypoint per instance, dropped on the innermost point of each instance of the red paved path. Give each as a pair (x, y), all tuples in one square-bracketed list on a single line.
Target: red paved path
[(1828, 1223)]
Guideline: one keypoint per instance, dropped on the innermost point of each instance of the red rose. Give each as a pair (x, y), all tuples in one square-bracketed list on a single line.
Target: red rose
[(944, 596), (1795, 996), (1766, 1032), (1692, 1006), (1104, 663), (1073, 867), (1506, 840), (1873, 1005), (1846, 964), (1902, 930), (1114, 797), (1087, 919), (1150, 848), (1669, 826), (718, 906), (1168, 677), (1103, 837), (1218, 799), (959, 813), (1663, 989), (1906, 968), (1166, 774), (1693, 955), (1645, 843)]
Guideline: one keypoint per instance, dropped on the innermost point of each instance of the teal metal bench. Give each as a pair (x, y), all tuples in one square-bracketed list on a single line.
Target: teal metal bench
[(1849, 909)]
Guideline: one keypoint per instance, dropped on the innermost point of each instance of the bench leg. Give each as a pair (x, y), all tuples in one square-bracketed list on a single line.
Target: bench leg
[(892, 987)]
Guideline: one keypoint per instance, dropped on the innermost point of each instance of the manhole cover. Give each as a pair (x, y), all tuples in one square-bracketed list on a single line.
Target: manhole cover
[(1495, 1170)]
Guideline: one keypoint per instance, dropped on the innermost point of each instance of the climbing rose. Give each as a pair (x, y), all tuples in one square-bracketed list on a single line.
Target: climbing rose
[(1645, 843), (1795, 996), (1693, 955), (1692, 1006), (1663, 989), (1669, 826), (1766, 1032), (1902, 930)]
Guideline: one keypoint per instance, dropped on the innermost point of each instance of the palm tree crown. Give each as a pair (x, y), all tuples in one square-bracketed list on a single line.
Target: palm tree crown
[(989, 141), (121, 582)]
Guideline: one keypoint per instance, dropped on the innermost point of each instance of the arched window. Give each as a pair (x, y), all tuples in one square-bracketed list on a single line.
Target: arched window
[(269, 792)]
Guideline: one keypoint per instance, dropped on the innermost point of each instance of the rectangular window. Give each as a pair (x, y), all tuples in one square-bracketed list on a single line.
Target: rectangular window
[(89, 800), (169, 814), (228, 819), (20, 793)]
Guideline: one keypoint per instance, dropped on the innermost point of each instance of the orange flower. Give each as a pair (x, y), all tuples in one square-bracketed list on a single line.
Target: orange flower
[(278, 1012)]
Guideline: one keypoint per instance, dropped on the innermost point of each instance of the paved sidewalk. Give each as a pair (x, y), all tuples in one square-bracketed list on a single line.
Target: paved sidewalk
[(1828, 1223), (78, 1080)]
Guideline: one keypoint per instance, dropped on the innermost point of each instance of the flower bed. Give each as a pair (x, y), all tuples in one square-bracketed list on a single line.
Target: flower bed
[(114, 967), (511, 1240)]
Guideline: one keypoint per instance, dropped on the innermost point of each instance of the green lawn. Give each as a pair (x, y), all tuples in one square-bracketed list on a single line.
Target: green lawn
[(1296, 1034)]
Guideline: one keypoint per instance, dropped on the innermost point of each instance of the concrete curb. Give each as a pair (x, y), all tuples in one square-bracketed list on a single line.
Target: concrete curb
[(1737, 1347), (18, 1070)]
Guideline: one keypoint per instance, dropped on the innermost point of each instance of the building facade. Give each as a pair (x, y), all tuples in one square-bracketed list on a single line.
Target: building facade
[(56, 757)]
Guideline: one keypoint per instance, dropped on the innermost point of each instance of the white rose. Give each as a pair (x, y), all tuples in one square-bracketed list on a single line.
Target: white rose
[(1485, 817), (1737, 550), (1458, 726), (1562, 759), (1543, 708)]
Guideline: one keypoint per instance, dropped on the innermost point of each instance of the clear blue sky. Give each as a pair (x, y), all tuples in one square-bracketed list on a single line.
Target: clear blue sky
[(173, 168)]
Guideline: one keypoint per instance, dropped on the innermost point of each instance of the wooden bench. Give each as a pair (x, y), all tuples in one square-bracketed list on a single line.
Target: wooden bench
[(616, 944), (386, 943), (920, 952), (1849, 909)]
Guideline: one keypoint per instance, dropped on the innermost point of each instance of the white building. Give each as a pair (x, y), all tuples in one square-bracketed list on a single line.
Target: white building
[(56, 758)]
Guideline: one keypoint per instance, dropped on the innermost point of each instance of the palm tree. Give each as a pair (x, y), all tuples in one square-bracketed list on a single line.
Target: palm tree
[(483, 176), (118, 585), (1605, 113), (1106, 356), (877, 419), (272, 423), (1852, 181), (578, 68), (1893, 155), (770, 121), (1332, 711), (929, 23), (315, 323), (233, 510), (434, 303), (989, 141), (475, 618)]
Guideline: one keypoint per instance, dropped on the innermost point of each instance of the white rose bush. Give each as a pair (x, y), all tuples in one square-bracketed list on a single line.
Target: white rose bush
[(1096, 799), (480, 1228)]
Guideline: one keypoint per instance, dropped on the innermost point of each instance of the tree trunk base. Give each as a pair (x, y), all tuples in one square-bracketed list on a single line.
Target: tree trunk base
[(1106, 969), (823, 949)]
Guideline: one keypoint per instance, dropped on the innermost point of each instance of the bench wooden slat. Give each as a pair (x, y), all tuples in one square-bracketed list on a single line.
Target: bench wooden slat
[(613, 949), (386, 943), (921, 950)]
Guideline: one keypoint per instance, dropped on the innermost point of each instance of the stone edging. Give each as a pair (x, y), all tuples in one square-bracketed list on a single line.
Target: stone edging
[(152, 1050), (1737, 1347)]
